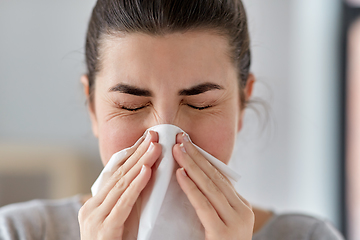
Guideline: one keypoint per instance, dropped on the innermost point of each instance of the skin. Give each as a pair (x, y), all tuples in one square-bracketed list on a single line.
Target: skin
[(185, 79)]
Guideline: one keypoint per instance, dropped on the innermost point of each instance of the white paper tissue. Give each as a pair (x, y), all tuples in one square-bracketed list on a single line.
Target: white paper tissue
[(165, 212)]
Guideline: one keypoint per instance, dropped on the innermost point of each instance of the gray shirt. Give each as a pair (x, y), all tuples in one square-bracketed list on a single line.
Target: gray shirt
[(57, 220)]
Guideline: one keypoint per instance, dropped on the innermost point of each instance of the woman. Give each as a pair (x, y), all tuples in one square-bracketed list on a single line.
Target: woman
[(177, 62)]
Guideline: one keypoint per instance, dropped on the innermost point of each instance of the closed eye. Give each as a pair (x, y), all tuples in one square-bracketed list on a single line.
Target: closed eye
[(199, 108), (132, 109)]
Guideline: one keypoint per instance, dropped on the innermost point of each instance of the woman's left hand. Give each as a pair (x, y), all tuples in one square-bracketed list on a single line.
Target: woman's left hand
[(221, 210)]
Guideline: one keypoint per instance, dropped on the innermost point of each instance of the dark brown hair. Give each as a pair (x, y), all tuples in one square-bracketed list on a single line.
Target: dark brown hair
[(159, 17)]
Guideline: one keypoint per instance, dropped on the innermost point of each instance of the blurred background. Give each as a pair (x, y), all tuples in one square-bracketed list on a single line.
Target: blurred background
[(298, 151)]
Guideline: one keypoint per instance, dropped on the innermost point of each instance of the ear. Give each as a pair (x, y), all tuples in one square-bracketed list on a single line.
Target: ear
[(249, 86), (248, 90), (91, 107)]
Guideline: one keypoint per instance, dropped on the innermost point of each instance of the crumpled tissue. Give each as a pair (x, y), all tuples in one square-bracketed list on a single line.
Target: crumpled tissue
[(162, 211)]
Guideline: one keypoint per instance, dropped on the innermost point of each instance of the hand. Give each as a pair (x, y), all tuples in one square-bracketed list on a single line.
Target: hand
[(103, 216), (221, 210)]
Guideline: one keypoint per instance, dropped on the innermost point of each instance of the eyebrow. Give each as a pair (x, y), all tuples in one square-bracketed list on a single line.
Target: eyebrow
[(124, 88), (196, 90)]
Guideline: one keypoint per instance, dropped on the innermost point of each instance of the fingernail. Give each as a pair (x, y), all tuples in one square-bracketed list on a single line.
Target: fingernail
[(148, 136), (185, 137), (182, 170), (150, 147), (142, 169), (182, 147)]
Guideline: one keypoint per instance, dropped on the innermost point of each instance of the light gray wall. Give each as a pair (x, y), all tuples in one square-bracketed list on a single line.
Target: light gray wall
[(293, 165), (289, 165), (41, 61), (263, 150)]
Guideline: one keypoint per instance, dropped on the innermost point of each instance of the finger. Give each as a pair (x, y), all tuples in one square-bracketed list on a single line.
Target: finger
[(204, 183), (120, 187), (140, 151), (213, 173), (124, 205), (246, 202), (204, 209), (125, 167)]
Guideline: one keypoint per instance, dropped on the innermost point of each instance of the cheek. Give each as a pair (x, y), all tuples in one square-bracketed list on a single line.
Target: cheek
[(215, 137), (116, 136), (216, 133)]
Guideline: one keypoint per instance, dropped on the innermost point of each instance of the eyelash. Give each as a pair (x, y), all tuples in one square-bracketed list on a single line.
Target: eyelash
[(199, 108), (139, 108), (132, 109)]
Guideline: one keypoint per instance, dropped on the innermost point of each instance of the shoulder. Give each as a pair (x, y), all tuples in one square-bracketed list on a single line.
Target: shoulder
[(297, 227), (41, 219)]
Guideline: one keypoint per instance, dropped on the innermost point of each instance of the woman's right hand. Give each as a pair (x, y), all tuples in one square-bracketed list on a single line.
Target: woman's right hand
[(103, 216)]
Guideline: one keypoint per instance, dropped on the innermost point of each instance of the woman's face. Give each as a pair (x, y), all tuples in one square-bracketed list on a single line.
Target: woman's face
[(184, 79)]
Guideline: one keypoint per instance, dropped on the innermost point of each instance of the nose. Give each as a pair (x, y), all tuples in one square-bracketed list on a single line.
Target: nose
[(168, 108), (165, 110), (169, 113), (166, 115)]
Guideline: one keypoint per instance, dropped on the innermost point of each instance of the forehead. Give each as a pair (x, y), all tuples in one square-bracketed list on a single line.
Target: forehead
[(191, 56)]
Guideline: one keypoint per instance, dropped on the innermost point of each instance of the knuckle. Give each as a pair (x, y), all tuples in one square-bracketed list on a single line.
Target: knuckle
[(246, 217), (223, 231), (138, 153), (219, 177), (82, 213), (249, 214), (119, 173), (246, 202), (87, 223), (135, 188), (90, 226), (125, 203), (211, 187), (196, 154), (205, 207), (121, 184), (192, 166), (193, 188), (104, 232)]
